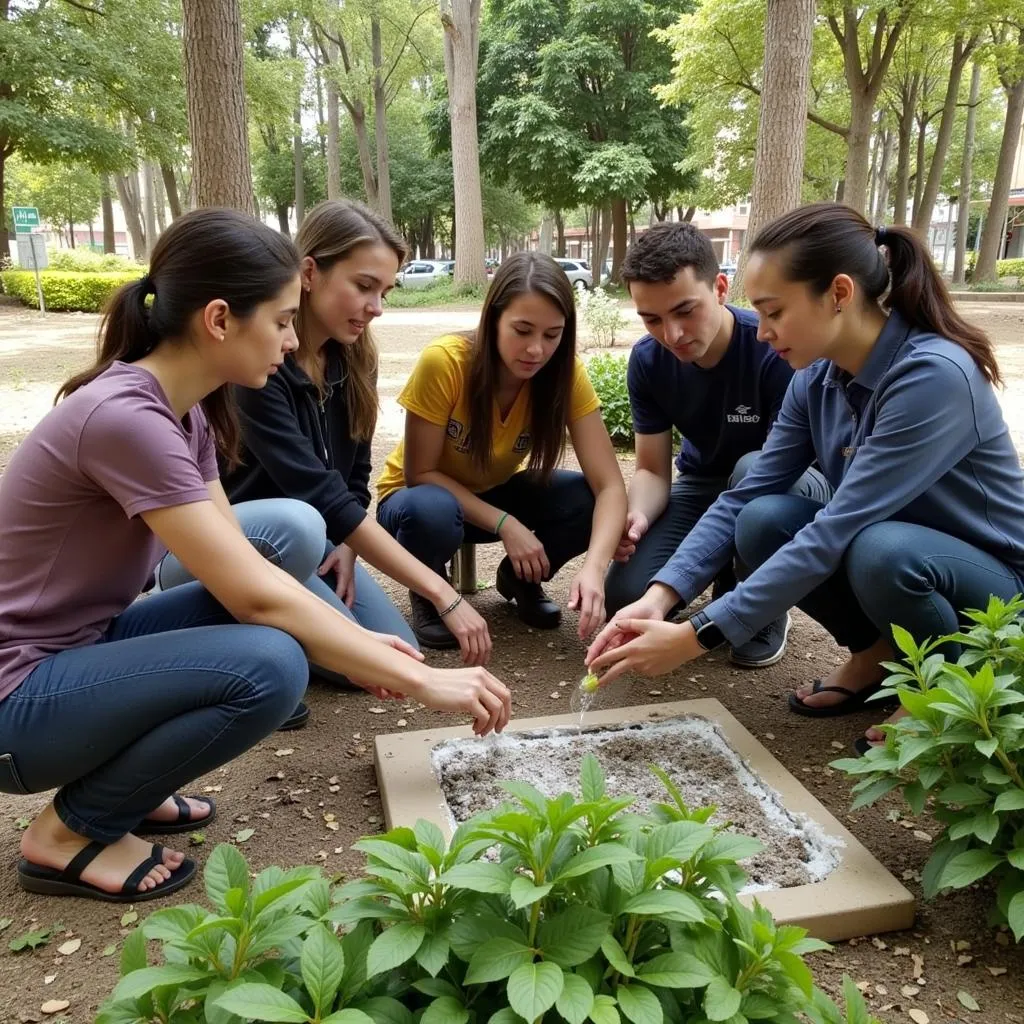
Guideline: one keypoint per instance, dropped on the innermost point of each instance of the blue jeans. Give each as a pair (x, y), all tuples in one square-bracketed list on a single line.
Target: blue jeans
[(282, 529), (893, 573), (428, 522), (690, 497), (174, 689)]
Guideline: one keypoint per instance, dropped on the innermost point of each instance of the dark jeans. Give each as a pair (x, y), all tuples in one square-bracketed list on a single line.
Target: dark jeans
[(428, 522), (174, 689), (690, 497), (893, 573)]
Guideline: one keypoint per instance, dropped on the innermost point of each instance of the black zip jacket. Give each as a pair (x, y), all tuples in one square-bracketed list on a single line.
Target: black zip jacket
[(296, 446)]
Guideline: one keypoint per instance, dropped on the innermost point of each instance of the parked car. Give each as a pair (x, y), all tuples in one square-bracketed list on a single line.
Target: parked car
[(421, 273), (729, 269), (578, 272)]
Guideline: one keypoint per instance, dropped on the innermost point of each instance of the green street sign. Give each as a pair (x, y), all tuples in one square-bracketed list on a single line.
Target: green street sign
[(25, 219)]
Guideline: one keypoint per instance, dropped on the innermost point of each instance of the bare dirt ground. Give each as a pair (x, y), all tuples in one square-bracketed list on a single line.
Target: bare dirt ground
[(284, 796)]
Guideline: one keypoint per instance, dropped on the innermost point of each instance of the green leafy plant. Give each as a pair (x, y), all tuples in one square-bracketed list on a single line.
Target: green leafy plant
[(1010, 268), (85, 261), (600, 312), (556, 909), (67, 290), (438, 293), (960, 749), (607, 373)]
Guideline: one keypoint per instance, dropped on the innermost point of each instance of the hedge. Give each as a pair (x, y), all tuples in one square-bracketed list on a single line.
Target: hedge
[(1010, 268), (65, 290), (84, 261)]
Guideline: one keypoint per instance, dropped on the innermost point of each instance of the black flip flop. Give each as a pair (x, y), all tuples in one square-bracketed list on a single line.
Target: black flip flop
[(183, 823), (297, 719), (54, 882), (855, 701), (862, 745)]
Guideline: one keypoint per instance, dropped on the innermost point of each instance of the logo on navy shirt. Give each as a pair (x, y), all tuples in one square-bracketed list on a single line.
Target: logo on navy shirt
[(742, 414)]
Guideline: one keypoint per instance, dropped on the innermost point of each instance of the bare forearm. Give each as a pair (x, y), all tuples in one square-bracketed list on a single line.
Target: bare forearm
[(648, 494), (609, 517), (376, 546)]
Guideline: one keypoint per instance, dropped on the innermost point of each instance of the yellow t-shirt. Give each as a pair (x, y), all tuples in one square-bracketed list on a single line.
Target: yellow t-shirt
[(437, 392)]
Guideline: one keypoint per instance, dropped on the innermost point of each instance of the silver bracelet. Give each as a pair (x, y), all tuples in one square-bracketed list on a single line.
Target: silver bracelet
[(455, 604)]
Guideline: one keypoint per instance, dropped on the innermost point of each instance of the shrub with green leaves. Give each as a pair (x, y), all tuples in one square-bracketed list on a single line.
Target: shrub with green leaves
[(85, 261), (541, 910), (67, 290), (1010, 268), (600, 312), (607, 373), (960, 749)]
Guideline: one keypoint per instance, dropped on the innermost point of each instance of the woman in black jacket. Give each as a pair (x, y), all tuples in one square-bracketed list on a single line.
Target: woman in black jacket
[(307, 435)]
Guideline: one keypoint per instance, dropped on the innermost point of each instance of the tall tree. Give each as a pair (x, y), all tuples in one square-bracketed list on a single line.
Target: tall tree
[(963, 222), (215, 91), (1009, 50), (782, 130), (461, 22), (297, 146)]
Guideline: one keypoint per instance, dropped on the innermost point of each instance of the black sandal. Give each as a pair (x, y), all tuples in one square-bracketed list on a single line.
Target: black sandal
[(183, 823), (68, 882), (855, 701), (862, 745)]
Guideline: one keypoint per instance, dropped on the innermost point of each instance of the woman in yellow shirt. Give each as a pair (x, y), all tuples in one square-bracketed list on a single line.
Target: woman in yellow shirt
[(485, 427)]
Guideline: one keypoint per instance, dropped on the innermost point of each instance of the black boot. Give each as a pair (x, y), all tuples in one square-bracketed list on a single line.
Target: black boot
[(431, 632), (533, 606)]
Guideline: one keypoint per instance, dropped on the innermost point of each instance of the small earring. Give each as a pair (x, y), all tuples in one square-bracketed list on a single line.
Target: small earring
[(839, 308)]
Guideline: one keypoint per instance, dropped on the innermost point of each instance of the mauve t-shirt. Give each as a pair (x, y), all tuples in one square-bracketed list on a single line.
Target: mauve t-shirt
[(73, 551)]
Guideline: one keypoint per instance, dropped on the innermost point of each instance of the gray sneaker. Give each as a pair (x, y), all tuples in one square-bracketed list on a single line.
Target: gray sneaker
[(765, 647)]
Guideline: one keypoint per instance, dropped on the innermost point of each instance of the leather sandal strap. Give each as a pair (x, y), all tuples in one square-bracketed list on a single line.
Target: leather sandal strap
[(820, 687), (184, 811), (131, 883), (81, 860)]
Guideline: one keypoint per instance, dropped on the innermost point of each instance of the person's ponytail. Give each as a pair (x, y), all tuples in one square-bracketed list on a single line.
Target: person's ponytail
[(920, 296)]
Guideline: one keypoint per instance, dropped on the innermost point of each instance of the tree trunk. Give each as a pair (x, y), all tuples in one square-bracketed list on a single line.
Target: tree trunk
[(963, 222), (559, 233), (992, 235), (619, 228), (461, 21), (961, 52), (282, 219), (297, 150), (604, 239), (149, 208), (128, 196), (160, 198), (92, 237), (782, 128), (905, 132), (858, 151), (358, 114), (380, 110), (215, 95), (876, 147), (333, 130), (107, 206), (882, 196), (171, 188), (5, 228), (922, 141), (321, 119)]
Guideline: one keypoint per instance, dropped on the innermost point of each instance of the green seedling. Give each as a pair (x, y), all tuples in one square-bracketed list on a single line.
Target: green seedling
[(589, 683)]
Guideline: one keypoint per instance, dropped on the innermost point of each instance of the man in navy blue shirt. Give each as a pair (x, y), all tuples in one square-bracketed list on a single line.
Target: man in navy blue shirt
[(701, 370)]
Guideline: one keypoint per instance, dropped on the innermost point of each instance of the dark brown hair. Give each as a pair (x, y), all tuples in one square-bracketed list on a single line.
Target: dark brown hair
[(205, 255), (822, 240), (666, 248), (524, 273), (330, 232)]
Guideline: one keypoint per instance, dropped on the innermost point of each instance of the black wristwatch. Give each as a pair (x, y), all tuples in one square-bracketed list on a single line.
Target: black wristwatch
[(709, 636)]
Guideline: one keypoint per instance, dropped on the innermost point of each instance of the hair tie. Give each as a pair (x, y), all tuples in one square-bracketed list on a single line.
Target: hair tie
[(146, 285), (881, 235)]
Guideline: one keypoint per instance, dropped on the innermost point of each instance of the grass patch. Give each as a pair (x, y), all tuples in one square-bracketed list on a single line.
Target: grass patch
[(440, 294)]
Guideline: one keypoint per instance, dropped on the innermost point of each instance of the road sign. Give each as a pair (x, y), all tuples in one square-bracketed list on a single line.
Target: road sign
[(32, 252), (26, 218)]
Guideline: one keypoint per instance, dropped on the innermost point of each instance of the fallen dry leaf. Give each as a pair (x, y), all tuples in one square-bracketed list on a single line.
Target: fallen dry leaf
[(879, 944), (49, 979), (996, 971), (69, 947), (923, 836), (129, 917), (333, 826), (909, 991), (376, 711), (401, 723), (963, 959), (284, 752), (918, 1016), (836, 745), (212, 789), (55, 1005), (654, 693), (961, 945), (968, 1001), (901, 951), (918, 965)]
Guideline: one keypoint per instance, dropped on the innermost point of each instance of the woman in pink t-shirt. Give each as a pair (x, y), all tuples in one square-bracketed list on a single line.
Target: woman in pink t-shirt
[(117, 703)]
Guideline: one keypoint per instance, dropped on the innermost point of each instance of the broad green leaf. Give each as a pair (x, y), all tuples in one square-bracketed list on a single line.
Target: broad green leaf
[(347, 1016), (262, 1002), (987, 747), (225, 870), (963, 794), (415, 865), (1015, 916), (529, 795), (572, 936), (172, 924), (469, 932), (479, 876), (143, 981), (445, 1010), (604, 1010), (497, 959), (274, 933), (675, 970), (1011, 800), (322, 964), (393, 947), (906, 643), (133, 952), (433, 954), (288, 894), (730, 846), (875, 791), (592, 784), (984, 825), (797, 971), (616, 956), (721, 1000), (595, 857), (429, 835), (506, 1015), (384, 1010), (533, 989), (911, 749), (670, 904), (523, 892), (965, 999), (639, 1004), (576, 999)]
